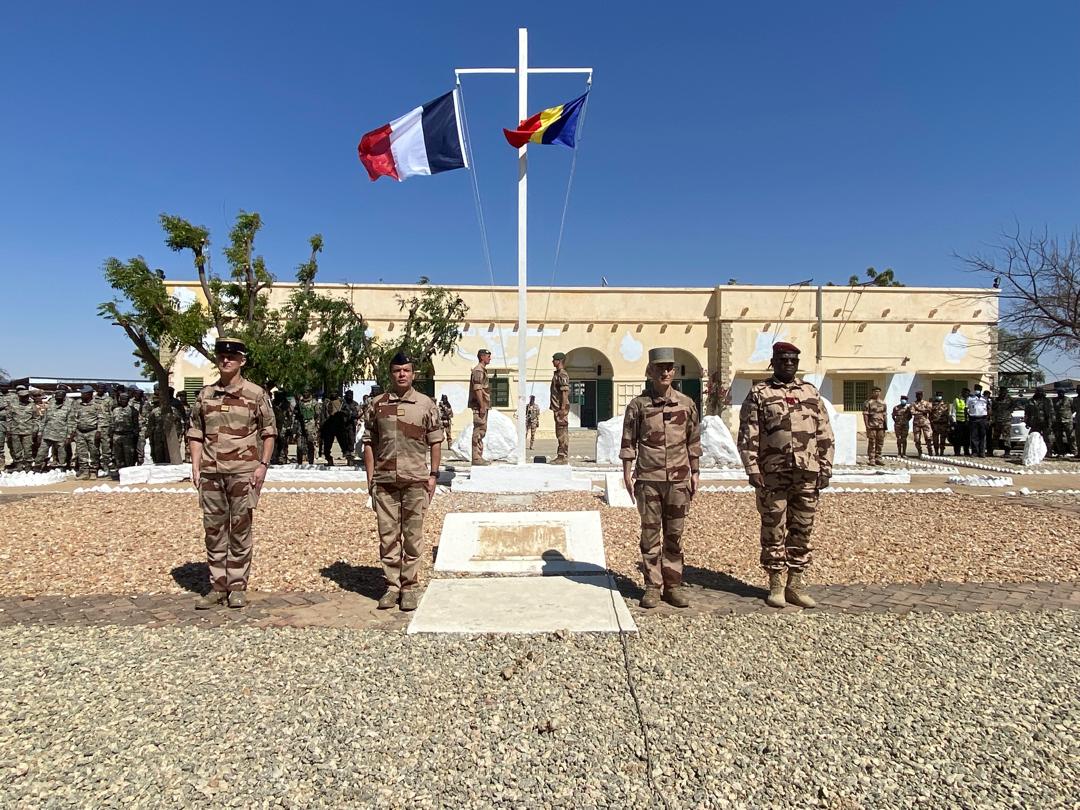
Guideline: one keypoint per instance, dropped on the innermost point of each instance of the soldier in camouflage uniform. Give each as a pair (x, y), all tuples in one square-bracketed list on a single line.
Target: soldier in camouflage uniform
[(88, 422), (40, 407), (142, 408), (124, 431), (281, 408), (307, 431), (3, 430), (1063, 434), (901, 419), (231, 440), (22, 424), (480, 404), (940, 422), (446, 413), (532, 421), (920, 424), (402, 430), (1039, 416), (351, 409), (560, 406), (1076, 420), (105, 405), (786, 445), (55, 431), (874, 410), (1001, 410), (662, 434)]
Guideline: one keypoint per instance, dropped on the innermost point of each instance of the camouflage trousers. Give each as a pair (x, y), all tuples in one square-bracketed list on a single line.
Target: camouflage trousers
[(22, 451), (663, 506), (875, 441), (941, 438), (399, 510), (226, 506), (447, 434), (87, 453), (1063, 439), (923, 436), (53, 448), (3, 445), (479, 430), (106, 455), (562, 433), (123, 448), (901, 440), (306, 442), (787, 504), (530, 434)]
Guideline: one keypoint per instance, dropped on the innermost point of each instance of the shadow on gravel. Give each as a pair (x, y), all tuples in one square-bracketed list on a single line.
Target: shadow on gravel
[(714, 580), (192, 576), (366, 580)]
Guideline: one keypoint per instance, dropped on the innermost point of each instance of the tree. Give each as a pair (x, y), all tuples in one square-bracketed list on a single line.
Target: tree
[(885, 278), (1022, 348), (1039, 279)]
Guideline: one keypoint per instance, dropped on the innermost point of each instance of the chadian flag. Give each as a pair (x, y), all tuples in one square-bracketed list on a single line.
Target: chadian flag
[(426, 140), (553, 125)]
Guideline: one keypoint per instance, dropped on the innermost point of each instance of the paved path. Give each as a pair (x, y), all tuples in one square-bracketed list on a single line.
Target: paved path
[(358, 611)]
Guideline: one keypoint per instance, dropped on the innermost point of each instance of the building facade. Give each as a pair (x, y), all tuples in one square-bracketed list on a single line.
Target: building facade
[(901, 339)]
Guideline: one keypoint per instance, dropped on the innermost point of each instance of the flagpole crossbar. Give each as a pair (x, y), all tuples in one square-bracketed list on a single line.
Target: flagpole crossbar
[(461, 71)]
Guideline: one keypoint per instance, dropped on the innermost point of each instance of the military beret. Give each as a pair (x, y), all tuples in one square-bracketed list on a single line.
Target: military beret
[(401, 359), (558, 356), (21, 389), (86, 389), (664, 354), (34, 390), (61, 388), (230, 345), (785, 348)]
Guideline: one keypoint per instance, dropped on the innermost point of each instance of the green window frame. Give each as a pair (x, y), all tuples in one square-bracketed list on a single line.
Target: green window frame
[(500, 391), (856, 392), (192, 387)]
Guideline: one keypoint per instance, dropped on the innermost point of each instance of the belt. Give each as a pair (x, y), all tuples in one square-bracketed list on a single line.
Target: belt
[(980, 418), (86, 430)]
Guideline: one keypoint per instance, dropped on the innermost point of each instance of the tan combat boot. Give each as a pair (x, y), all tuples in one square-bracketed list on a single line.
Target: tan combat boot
[(237, 599), (676, 596), (211, 600), (651, 598), (776, 590), (794, 592), (389, 599), (410, 599)]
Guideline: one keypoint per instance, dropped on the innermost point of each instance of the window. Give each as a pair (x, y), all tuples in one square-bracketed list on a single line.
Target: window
[(192, 386), (500, 391), (856, 392)]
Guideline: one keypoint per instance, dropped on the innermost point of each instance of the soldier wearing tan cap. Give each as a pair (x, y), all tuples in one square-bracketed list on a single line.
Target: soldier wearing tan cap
[(231, 440), (402, 451), (560, 406), (661, 449), (480, 403)]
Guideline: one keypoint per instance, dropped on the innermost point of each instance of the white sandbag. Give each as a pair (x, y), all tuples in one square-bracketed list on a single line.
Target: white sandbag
[(500, 442), (1034, 449), (718, 448), (609, 440)]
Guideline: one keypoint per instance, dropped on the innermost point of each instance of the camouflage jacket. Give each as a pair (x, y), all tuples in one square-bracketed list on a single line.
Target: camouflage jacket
[(400, 430), (479, 392), (1062, 411), (785, 427), (56, 422), (560, 392), (446, 413), (1001, 410), (901, 416), (663, 434), (124, 421), (22, 419), (874, 411), (920, 413), (532, 416), (1039, 414), (87, 417), (305, 416), (939, 413), (231, 422)]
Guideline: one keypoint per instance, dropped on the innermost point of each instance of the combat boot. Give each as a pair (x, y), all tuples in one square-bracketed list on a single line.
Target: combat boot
[(794, 593), (211, 599), (651, 598), (776, 590), (237, 599), (410, 599), (560, 460), (676, 596), (389, 599), (481, 463)]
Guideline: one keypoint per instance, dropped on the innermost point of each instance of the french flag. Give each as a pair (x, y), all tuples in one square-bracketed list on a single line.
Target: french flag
[(426, 140)]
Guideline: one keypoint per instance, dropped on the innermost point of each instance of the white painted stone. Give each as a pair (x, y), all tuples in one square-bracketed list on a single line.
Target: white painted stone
[(33, 479), (615, 493), (500, 442), (609, 440), (717, 445), (845, 429), (521, 543), (523, 478), (1034, 449), (522, 605)]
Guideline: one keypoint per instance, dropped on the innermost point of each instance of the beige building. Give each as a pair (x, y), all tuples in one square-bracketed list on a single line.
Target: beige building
[(902, 339)]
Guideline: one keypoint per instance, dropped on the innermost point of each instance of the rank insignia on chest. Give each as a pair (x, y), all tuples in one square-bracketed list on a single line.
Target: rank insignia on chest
[(226, 408), (791, 400)]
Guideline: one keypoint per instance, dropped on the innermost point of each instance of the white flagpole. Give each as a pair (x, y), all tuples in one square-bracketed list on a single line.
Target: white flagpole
[(522, 246)]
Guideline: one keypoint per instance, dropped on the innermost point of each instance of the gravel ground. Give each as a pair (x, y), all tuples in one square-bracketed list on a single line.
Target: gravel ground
[(814, 710), (152, 543)]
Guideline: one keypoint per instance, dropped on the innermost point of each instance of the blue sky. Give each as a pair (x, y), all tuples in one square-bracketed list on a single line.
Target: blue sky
[(766, 142)]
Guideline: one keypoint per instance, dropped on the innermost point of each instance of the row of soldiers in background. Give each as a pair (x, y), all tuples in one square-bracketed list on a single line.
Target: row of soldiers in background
[(105, 428), (314, 425), (974, 423)]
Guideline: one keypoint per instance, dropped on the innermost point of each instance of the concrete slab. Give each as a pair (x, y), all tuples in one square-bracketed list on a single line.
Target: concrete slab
[(523, 478), (521, 543), (615, 493), (580, 604)]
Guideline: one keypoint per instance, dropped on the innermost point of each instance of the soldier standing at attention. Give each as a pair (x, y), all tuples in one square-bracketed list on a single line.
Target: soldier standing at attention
[(662, 434), (232, 437), (786, 444), (446, 414), (961, 433), (1063, 445), (306, 430), (403, 429), (3, 430), (532, 420), (874, 421), (22, 424), (1001, 410), (55, 430), (920, 424), (560, 405), (124, 429), (1076, 420), (87, 423), (352, 415), (939, 421), (977, 411), (1039, 415), (901, 417), (480, 403)]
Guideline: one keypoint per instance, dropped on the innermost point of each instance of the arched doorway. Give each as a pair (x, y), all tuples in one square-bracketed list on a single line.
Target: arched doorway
[(591, 389), (688, 375)]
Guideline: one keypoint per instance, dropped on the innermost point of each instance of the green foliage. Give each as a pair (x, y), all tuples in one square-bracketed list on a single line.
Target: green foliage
[(885, 278)]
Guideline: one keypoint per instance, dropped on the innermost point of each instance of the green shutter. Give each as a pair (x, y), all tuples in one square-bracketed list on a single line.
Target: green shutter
[(192, 386), (500, 392), (605, 396)]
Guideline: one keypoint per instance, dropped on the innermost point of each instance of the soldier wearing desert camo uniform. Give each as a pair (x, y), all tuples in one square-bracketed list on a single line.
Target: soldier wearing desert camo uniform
[(786, 445), (480, 404), (560, 405), (532, 421), (661, 452), (402, 451), (901, 418), (939, 424), (874, 410), (231, 440)]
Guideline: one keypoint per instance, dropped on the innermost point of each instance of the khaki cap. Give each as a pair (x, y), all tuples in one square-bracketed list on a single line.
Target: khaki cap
[(662, 355)]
